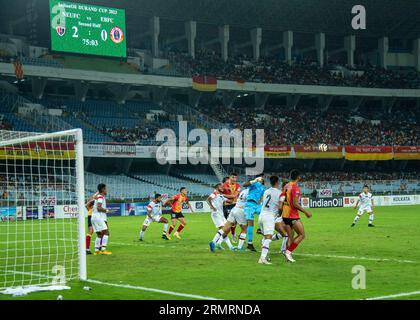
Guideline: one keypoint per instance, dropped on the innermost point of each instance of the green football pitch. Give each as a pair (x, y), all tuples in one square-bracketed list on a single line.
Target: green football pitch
[(186, 269)]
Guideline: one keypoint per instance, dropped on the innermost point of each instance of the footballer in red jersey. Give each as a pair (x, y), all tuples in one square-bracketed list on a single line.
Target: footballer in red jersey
[(290, 214), (231, 190), (177, 202)]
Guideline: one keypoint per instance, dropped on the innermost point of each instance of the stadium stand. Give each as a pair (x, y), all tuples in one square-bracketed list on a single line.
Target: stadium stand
[(271, 70), (335, 126), (174, 183)]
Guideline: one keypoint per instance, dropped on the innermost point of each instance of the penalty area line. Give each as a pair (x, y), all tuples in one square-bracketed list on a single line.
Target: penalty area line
[(126, 286), (172, 293), (353, 257), (398, 295)]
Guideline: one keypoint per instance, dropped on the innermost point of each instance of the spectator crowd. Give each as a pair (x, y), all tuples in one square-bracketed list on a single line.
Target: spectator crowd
[(306, 127), (272, 70)]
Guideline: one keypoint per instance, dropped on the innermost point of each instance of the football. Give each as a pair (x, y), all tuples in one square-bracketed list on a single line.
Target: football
[(323, 147)]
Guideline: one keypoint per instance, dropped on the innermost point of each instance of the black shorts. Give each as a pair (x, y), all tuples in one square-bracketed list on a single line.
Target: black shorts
[(227, 209), (290, 221), (89, 221), (176, 215)]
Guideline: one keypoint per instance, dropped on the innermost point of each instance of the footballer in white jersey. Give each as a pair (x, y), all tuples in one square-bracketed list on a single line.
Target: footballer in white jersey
[(216, 200), (237, 214), (99, 221), (279, 225), (99, 212), (366, 204), (154, 214), (270, 210)]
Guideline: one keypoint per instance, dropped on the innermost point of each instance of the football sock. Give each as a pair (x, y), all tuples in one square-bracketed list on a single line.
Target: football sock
[(265, 248), (165, 228), (357, 218), (292, 247), (276, 237), (180, 227), (241, 241), (98, 243), (104, 242), (171, 228), (371, 217), (218, 235), (284, 243), (250, 233), (229, 244), (88, 238), (141, 234)]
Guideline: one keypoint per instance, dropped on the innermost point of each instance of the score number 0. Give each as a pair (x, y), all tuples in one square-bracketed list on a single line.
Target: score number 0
[(104, 34)]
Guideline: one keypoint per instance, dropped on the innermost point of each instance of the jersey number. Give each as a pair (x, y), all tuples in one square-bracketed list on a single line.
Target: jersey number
[(268, 199)]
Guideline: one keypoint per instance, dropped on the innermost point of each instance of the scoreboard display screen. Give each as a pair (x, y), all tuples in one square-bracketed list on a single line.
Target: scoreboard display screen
[(87, 29)]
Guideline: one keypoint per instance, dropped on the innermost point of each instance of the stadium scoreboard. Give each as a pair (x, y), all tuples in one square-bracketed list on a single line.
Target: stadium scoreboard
[(87, 29)]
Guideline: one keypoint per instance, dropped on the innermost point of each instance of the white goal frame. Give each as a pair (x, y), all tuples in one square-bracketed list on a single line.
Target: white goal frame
[(80, 185)]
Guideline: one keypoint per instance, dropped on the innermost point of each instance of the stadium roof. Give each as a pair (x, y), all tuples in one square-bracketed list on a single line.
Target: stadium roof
[(395, 19), (399, 19)]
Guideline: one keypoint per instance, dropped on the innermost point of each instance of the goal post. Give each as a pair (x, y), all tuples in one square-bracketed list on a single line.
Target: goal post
[(42, 214)]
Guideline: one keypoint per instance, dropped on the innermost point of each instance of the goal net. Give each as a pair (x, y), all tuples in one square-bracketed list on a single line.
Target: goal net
[(41, 209)]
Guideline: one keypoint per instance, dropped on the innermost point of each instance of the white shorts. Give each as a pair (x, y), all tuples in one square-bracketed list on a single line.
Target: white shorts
[(98, 223), (218, 219), (266, 223), (278, 219), (237, 215), (149, 220), (367, 209)]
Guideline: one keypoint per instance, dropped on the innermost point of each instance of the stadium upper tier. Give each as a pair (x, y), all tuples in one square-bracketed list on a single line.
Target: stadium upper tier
[(305, 72), (241, 68), (106, 121)]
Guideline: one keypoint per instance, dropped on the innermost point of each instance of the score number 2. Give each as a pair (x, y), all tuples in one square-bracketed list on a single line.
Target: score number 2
[(104, 34), (75, 32)]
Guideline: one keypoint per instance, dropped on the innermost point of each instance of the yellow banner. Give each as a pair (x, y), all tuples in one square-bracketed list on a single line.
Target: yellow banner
[(29, 154)]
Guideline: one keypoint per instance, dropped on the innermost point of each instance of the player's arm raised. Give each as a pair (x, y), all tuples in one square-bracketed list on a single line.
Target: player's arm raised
[(247, 184), (297, 205)]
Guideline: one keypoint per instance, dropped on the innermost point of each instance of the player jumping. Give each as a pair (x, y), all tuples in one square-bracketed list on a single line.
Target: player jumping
[(290, 214), (366, 204), (177, 202), (99, 223), (252, 205), (154, 214)]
